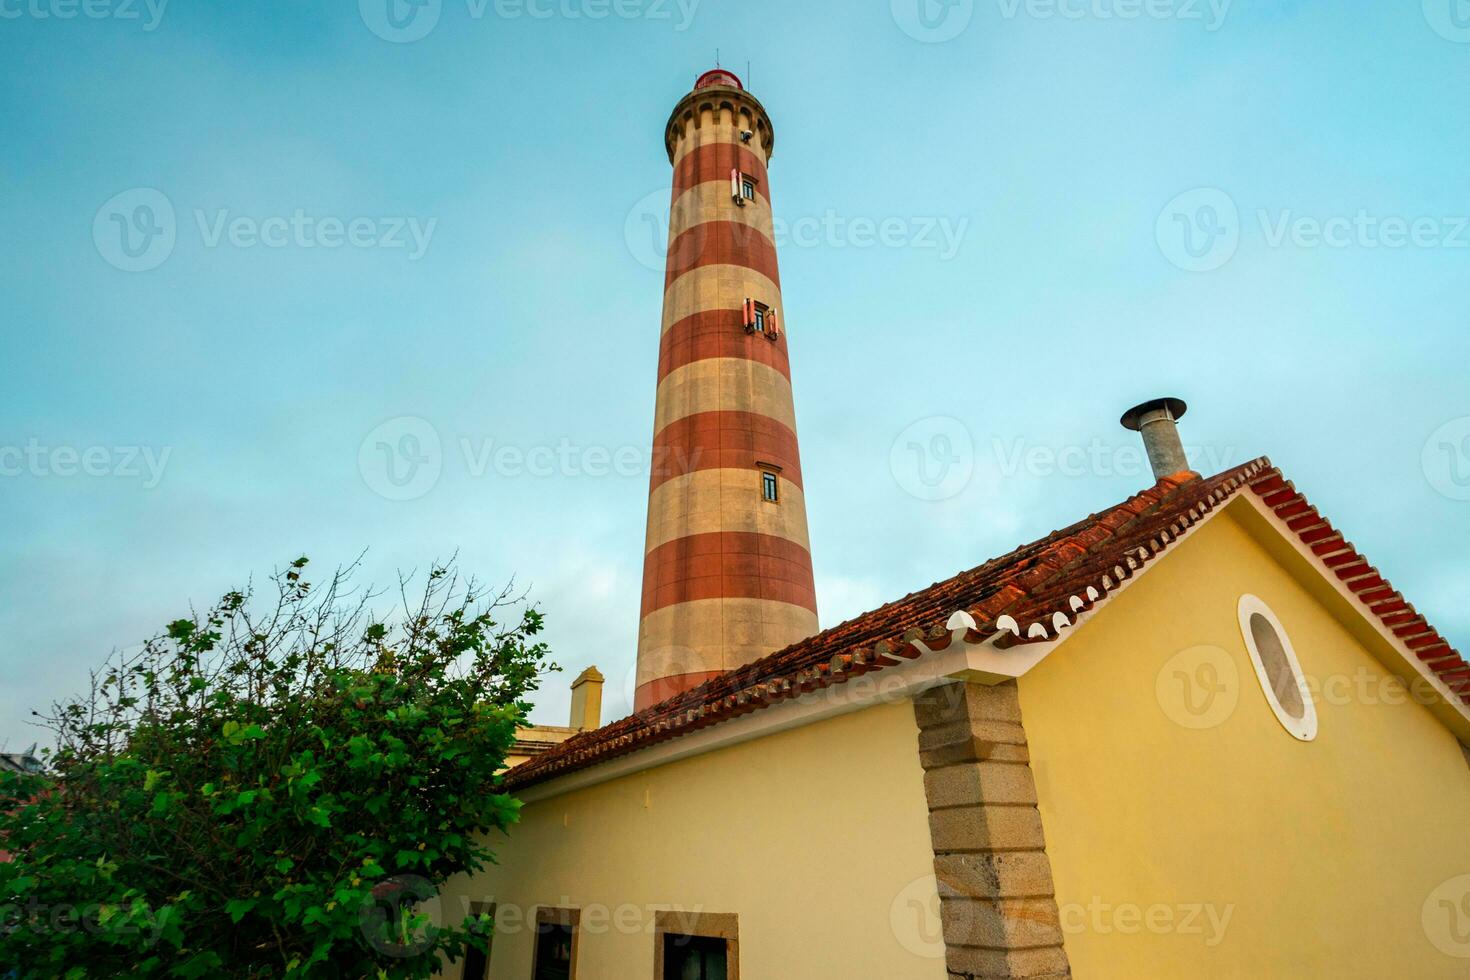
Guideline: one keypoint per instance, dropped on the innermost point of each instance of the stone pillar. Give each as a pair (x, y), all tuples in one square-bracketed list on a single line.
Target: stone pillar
[(997, 901)]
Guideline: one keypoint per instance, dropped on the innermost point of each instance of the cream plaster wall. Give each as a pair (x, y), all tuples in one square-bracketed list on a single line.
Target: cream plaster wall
[(817, 838), (1191, 836)]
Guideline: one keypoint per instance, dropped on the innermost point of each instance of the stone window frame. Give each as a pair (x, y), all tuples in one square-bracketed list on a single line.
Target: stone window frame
[(704, 925), (1303, 727), (556, 916)]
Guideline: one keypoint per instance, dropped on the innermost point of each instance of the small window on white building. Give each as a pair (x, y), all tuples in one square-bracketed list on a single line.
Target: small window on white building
[(1277, 668)]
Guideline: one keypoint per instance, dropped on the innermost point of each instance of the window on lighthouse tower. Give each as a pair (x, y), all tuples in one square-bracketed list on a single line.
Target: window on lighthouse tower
[(742, 187), (770, 489)]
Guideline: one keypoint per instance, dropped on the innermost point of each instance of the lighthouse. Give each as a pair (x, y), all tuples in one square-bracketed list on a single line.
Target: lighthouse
[(727, 574)]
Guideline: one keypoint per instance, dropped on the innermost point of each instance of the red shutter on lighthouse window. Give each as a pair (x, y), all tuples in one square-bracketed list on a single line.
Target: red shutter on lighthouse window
[(735, 187), (773, 330), (749, 313)]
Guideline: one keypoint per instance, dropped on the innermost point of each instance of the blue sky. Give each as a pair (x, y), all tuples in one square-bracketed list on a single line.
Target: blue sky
[(1004, 223)]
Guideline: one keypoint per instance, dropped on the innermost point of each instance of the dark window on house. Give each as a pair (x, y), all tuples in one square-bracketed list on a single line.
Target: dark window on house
[(476, 966), (1278, 666), (553, 952), (760, 317), (477, 963), (770, 489), (694, 958), (747, 188)]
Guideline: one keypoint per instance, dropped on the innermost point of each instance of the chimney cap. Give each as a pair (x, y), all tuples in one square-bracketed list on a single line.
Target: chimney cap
[(590, 675), (1133, 418)]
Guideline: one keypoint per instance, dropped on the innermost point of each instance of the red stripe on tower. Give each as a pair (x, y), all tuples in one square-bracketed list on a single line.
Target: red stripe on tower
[(718, 334)]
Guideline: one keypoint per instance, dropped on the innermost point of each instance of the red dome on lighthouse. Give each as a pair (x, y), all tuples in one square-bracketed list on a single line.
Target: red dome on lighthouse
[(719, 78)]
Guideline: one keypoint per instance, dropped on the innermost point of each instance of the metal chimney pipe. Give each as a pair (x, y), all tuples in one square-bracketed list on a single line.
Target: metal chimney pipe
[(1156, 420)]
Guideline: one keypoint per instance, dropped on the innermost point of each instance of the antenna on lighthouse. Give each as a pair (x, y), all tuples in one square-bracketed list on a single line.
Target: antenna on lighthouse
[(717, 57)]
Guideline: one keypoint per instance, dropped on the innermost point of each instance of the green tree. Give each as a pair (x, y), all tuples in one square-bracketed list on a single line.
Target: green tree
[(271, 788)]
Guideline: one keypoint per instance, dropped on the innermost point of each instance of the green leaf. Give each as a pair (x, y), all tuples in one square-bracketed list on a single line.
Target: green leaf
[(238, 907)]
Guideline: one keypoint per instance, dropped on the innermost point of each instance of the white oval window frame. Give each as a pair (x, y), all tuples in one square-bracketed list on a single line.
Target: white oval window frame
[(1305, 727)]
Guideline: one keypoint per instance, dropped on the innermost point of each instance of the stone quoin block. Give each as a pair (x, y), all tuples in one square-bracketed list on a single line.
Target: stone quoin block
[(997, 898)]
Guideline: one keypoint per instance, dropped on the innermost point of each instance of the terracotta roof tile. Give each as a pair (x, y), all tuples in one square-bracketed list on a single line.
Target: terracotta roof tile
[(1028, 594)]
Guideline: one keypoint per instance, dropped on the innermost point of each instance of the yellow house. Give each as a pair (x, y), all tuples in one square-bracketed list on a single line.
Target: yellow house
[(1193, 735)]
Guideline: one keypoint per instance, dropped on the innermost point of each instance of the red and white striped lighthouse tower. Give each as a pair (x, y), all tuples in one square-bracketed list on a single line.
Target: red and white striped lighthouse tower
[(727, 575)]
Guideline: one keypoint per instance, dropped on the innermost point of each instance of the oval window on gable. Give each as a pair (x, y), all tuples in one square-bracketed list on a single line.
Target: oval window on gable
[(1277, 668)]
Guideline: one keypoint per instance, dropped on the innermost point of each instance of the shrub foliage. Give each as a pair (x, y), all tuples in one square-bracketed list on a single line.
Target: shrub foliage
[(268, 789)]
